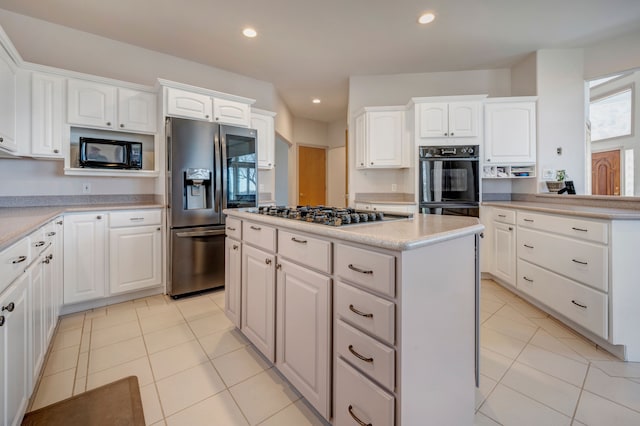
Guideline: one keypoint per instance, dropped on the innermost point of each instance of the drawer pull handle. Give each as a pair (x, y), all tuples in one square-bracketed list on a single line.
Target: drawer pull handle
[(357, 355), (502, 215), (578, 304), (136, 218), (10, 307), (362, 271), (528, 220), (255, 228), (579, 229), (59, 222), (580, 262), (527, 246), (235, 247), (230, 228), (39, 244), (527, 279), (295, 240), (20, 259), (362, 314), (360, 422), (51, 234)]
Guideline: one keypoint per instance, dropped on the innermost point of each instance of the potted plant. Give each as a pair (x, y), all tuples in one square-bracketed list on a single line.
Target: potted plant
[(555, 186)]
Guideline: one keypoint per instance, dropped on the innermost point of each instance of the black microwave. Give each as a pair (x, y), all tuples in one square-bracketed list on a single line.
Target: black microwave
[(110, 154)]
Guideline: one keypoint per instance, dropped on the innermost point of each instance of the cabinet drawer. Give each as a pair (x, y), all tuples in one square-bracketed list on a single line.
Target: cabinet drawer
[(579, 260), (584, 229), (366, 311), (379, 359), (13, 261), (372, 270), (308, 251), (577, 302), (135, 218), (504, 216), (259, 235), (233, 228), (359, 401)]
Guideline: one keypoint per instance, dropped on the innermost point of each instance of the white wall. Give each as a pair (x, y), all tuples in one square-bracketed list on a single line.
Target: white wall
[(611, 56), (523, 77), (336, 176), (561, 118), (305, 132)]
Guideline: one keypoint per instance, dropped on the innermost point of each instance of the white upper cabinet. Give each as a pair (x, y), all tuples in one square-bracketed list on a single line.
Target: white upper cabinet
[(7, 103), (235, 113), (109, 107), (137, 110), (91, 104), (47, 98), (262, 121), (380, 138), (510, 127), (181, 103), (449, 120)]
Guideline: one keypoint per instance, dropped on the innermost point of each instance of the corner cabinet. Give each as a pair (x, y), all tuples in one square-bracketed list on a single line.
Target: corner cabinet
[(262, 121), (380, 138), (510, 131)]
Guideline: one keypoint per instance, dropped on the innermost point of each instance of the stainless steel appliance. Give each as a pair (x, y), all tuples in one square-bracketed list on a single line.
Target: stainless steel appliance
[(449, 180), (209, 168), (331, 216), (110, 154)]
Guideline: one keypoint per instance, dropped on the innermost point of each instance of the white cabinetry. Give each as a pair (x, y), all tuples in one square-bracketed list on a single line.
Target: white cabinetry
[(510, 131), (380, 138), (236, 113), (233, 271), (85, 259), (109, 107), (391, 208), (7, 103), (503, 239), (262, 121), (135, 250), (47, 100), (181, 103), (449, 120)]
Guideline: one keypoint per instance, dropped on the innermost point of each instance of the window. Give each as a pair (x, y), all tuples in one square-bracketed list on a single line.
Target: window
[(611, 115)]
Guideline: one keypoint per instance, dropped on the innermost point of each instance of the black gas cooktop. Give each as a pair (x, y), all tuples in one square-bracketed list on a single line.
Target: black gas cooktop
[(331, 216)]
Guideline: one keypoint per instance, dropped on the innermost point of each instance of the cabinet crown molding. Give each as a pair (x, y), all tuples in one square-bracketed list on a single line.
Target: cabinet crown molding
[(204, 91), (511, 99), (455, 98)]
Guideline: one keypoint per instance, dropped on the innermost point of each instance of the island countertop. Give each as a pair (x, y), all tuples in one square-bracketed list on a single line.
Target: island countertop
[(569, 209), (403, 234)]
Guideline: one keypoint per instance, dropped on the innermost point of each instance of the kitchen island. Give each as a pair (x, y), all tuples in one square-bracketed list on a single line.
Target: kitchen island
[(373, 323)]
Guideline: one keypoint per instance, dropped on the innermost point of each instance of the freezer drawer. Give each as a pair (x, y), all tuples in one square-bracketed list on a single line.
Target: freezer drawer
[(197, 259)]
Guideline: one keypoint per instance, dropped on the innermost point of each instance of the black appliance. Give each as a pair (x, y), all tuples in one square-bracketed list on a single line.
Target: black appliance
[(449, 181), (210, 167), (110, 154)]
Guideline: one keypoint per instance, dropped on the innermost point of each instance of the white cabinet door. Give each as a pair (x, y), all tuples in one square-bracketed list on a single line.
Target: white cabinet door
[(361, 146), (46, 115), (504, 252), (85, 258), (266, 139), (91, 104), (384, 138), (232, 282), (38, 315), (510, 129), (134, 258), (137, 110), (57, 261), (7, 103), (303, 332), (231, 112), (463, 119), (181, 103), (258, 299), (434, 120), (14, 351)]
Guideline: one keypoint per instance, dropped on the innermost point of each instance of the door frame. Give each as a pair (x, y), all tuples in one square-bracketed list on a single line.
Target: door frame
[(305, 145)]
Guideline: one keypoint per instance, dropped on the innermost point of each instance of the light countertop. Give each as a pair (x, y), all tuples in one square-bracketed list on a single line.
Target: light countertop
[(401, 235), (18, 222), (569, 209)]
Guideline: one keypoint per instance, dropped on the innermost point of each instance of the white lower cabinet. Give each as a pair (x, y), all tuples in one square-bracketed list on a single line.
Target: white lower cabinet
[(135, 255), (232, 280), (303, 338), (38, 315), (14, 351), (504, 252), (258, 299)]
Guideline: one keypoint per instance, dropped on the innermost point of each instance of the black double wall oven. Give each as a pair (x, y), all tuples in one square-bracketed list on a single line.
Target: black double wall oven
[(449, 181)]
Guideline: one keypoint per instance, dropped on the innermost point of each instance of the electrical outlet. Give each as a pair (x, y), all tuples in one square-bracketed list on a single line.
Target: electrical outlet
[(548, 174), (86, 188), (394, 187)]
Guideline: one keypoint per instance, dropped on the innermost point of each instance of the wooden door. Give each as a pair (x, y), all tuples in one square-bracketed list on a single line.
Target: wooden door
[(605, 173), (312, 180)]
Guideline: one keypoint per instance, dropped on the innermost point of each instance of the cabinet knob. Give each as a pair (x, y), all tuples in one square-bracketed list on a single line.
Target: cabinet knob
[(56, 151), (510, 229), (59, 222), (206, 116), (372, 163), (121, 125), (217, 118), (235, 247), (108, 123), (451, 133), (10, 307), (267, 261), (446, 134), (1, 139), (269, 163), (158, 229), (1, 320), (488, 160), (279, 266), (99, 217), (362, 164)]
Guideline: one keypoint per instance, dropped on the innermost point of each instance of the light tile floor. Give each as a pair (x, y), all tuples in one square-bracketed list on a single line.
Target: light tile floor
[(194, 368)]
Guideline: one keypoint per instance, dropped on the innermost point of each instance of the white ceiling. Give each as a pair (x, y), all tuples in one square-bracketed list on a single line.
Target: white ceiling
[(310, 48)]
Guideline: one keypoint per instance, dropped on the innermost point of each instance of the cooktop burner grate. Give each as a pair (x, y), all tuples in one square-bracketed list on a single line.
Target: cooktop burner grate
[(332, 216)]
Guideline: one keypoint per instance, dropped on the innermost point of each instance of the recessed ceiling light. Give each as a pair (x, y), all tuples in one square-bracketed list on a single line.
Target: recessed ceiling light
[(249, 32), (425, 18), (316, 101)]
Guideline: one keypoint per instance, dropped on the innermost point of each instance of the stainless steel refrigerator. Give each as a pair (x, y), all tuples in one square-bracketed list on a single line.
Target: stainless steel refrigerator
[(210, 167)]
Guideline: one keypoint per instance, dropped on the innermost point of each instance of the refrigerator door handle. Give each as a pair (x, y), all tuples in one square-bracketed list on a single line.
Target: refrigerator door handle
[(223, 167), (221, 171), (192, 234)]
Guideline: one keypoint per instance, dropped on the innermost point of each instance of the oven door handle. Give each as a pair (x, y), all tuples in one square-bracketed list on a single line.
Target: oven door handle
[(192, 234)]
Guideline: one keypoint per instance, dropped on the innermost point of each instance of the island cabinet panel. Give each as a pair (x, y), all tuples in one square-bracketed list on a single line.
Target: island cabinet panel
[(309, 251), (232, 280), (303, 339)]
